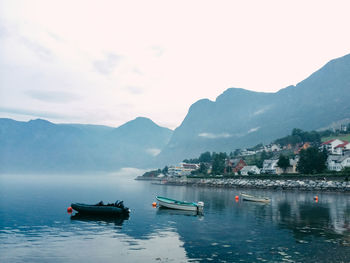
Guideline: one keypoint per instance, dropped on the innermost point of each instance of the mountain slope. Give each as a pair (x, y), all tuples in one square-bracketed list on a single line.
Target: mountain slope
[(241, 118), (39, 145)]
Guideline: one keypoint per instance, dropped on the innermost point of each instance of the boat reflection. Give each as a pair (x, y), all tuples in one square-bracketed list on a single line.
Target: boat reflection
[(116, 219), (168, 211)]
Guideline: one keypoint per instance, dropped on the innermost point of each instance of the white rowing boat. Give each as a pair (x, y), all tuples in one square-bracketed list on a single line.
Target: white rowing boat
[(180, 205), (251, 198)]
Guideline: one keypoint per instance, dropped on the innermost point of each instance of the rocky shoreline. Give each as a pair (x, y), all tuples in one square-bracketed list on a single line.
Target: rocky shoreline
[(278, 184)]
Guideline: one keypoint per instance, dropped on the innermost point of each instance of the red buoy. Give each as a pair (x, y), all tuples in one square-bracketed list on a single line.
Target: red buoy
[(69, 210), (237, 197), (154, 204)]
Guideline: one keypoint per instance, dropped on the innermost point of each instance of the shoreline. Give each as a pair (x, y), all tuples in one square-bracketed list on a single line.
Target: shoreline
[(273, 184)]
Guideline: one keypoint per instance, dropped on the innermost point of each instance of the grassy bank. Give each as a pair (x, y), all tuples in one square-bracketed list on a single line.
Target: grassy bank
[(343, 137)]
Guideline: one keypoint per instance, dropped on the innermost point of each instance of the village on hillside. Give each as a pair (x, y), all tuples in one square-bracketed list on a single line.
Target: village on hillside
[(299, 153)]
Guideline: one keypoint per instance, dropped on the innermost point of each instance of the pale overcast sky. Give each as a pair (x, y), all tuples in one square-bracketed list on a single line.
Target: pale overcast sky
[(107, 62)]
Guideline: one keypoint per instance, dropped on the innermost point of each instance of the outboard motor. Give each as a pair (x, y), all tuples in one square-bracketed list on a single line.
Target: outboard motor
[(200, 206), (119, 204)]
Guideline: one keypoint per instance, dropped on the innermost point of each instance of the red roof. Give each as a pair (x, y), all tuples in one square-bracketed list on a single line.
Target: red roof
[(328, 142), (342, 145)]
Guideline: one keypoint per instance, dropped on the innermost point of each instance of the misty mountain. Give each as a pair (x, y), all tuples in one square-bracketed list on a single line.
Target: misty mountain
[(241, 118), (40, 146)]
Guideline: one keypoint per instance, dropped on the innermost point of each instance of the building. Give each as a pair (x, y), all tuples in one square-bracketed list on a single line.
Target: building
[(273, 148), (235, 164), (343, 128), (250, 169), (182, 169), (269, 166), (331, 145), (303, 147), (342, 148), (338, 162)]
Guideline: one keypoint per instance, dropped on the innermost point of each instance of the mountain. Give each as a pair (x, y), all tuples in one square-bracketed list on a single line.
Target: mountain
[(241, 118), (41, 146)]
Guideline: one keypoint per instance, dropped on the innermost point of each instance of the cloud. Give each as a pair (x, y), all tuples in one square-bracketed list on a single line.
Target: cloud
[(137, 71), (108, 64), (214, 136), (52, 96), (134, 90), (3, 31), (262, 110), (157, 51), (40, 51), (25, 112), (153, 151), (253, 129)]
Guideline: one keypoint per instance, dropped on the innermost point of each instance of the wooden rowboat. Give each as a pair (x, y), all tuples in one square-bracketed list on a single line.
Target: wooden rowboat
[(180, 205), (251, 198)]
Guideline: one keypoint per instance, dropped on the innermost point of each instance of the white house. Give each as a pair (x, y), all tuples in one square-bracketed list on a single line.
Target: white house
[(331, 145), (269, 166), (272, 148), (338, 162), (182, 169), (253, 169), (341, 148)]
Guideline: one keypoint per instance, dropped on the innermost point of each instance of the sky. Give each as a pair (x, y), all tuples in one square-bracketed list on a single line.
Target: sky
[(108, 62)]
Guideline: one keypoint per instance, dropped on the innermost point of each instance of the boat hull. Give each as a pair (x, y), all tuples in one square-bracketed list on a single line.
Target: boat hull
[(98, 210), (179, 205)]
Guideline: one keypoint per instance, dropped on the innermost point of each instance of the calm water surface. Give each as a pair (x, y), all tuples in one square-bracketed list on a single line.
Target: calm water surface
[(35, 227)]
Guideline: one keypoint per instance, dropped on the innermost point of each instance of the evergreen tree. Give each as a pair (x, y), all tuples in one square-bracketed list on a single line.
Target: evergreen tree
[(165, 170), (218, 163), (205, 157), (312, 161), (202, 168), (283, 162)]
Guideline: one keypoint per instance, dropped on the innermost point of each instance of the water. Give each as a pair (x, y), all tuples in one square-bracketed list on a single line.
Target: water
[(35, 226)]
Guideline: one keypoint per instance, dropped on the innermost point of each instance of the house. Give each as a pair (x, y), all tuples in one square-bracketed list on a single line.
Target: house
[(246, 152), (182, 169), (272, 148), (303, 147), (341, 148), (331, 144), (250, 169), (343, 128), (338, 162), (235, 164), (269, 166)]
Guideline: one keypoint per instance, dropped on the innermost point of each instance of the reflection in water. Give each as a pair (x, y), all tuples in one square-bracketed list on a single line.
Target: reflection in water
[(292, 228), (168, 211), (307, 219), (116, 219)]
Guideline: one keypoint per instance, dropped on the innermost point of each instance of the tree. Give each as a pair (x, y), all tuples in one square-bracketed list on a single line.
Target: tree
[(237, 152), (202, 168), (205, 157), (312, 161), (283, 162), (165, 170), (218, 163)]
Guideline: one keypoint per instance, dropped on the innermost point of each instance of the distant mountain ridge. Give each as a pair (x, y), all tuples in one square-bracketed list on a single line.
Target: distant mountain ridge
[(241, 118), (237, 118), (42, 146)]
